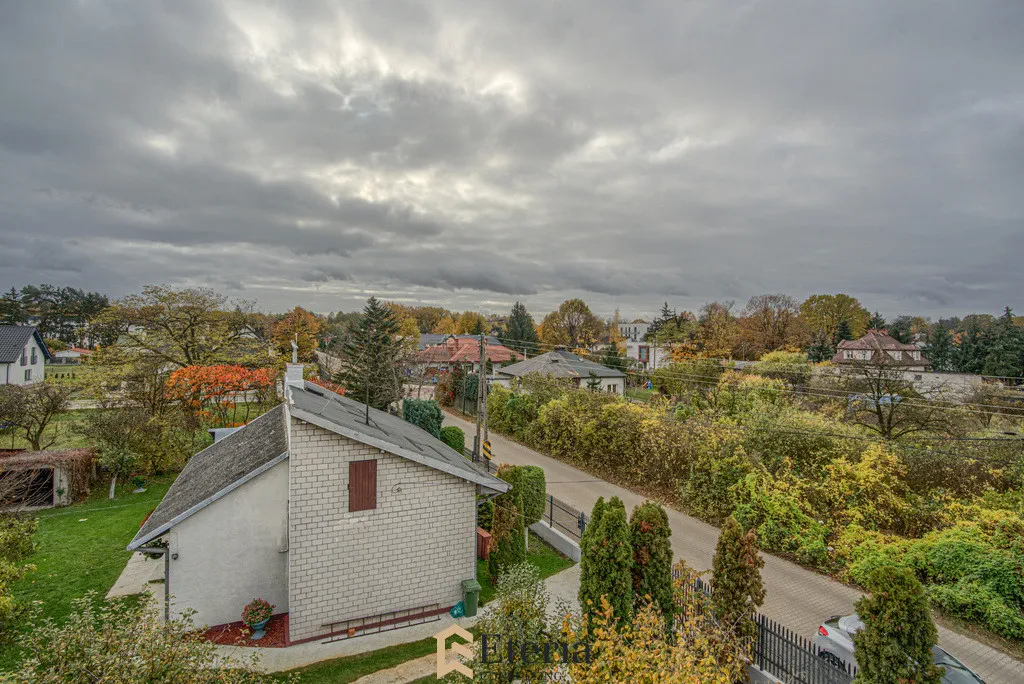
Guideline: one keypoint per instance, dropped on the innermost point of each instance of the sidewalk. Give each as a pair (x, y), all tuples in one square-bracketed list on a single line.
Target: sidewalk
[(797, 598)]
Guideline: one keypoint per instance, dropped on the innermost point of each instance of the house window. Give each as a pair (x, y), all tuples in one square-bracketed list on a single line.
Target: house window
[(24, 356), (28, 375), (35, 359), (847, 354), (362, 485)]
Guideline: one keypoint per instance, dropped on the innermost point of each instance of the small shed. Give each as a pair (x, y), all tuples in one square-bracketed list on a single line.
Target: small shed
[(44, 479)]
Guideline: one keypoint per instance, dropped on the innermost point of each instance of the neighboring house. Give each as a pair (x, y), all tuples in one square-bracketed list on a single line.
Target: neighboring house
[(23, 355), (465, 352), (563, 364), (349, 520), (434, 339), (634, 331), (878, 348), (72, 355), (647, 355)]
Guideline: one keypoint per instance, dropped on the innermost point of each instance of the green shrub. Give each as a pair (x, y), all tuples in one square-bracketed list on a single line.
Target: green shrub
[(736, 578), (896, 642), (709, 491), (780, 365), (424, 413), (15, 546), (529, 484), (508, 535), (609, 563), (649, 533), (778, 517), (454, 437)]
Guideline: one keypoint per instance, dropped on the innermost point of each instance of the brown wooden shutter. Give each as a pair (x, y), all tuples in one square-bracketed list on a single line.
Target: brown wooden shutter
[(362, 485)]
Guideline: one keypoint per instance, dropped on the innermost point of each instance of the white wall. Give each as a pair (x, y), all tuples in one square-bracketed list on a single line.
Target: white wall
[(413, 550), (14, 373), (613, 385), (233, 551)]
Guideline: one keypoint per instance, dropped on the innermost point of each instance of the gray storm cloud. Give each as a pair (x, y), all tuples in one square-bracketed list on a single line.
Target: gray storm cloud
[(471, 153)]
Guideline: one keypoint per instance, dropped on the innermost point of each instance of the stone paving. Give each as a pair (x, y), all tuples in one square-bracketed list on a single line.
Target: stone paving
[(798, 598)]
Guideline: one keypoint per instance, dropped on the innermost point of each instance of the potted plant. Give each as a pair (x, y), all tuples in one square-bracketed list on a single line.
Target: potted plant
[(139, 482), (256, 615)]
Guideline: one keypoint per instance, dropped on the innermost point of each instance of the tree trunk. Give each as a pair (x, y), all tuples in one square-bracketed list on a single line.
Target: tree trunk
[(113, 484)]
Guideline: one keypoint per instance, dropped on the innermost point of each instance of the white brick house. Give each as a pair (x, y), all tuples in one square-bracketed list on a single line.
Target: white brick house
[(343, 525)]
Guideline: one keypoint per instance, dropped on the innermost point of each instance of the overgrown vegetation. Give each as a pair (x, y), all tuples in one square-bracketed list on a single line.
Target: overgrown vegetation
[(812, 483)]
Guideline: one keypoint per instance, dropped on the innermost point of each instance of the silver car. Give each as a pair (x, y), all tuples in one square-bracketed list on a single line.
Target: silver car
[(835, 644)]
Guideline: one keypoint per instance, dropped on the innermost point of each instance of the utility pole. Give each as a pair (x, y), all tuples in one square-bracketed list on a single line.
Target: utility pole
[(480, 394)]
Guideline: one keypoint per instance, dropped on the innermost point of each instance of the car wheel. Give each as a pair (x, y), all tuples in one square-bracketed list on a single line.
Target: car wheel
[(833, 660)]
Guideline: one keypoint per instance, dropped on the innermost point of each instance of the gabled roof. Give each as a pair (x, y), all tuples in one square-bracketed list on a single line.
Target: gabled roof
[(560, 364), (394, 435), (13, 339), (877, 339), (465, 350), (433, 339), (219, 469)]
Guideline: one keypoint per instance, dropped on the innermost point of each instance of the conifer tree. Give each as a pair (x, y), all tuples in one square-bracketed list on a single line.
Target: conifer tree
[(736, 582), (372, 358), (508, 534), (521, 331), (649, 533), (843, 332), (940, 349), (585, 592), (610, 564), (895, 644)]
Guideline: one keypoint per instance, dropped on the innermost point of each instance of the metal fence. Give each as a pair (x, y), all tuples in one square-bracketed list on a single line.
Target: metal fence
[(558, 514), (786, 655)]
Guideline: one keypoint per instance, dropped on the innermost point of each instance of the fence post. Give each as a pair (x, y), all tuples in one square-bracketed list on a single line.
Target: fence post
[(551, 510)]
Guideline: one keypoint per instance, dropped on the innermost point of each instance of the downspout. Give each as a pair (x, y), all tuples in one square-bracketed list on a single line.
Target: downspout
[(166, 553)]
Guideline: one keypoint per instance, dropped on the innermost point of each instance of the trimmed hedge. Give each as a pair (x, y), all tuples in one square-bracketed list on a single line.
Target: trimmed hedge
[(454, 437), (424, 413), (530, 483)]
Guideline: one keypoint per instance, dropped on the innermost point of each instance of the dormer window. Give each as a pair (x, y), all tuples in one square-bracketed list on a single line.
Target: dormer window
[(847, 354)]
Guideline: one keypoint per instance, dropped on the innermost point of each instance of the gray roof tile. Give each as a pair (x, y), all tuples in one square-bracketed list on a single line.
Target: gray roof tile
[(13, 339), (560, 364), (216, 468)]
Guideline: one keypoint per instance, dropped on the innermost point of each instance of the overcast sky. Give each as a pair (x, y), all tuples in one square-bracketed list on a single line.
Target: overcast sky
[(470, 153)]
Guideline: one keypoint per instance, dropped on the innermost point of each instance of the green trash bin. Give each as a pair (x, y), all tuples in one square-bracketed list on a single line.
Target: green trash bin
[(471, 588)]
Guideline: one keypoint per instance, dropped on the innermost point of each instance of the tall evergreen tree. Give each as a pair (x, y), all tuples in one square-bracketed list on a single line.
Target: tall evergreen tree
[(969, 355), (939, 349), (587, 571), (649, 533), (736, 582), (609, 564), (820, 350), (521, 331), (843, 332), (877, 321), (1005, 357), (896, 642), (372, 358), (12, 311)]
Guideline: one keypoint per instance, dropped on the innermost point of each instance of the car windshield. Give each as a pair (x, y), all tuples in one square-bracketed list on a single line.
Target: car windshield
[(956, 672)]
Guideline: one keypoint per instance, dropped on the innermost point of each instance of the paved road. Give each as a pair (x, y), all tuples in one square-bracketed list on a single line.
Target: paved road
[(797, 597)]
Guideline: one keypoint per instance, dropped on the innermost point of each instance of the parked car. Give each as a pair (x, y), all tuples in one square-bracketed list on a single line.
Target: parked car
[(835, 644)]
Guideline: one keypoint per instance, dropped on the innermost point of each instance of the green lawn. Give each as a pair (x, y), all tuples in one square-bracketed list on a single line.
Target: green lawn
[(348, 669), (81, 548), (640, 393), (547, 560)]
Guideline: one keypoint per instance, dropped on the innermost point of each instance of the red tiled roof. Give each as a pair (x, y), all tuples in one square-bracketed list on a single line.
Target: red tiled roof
[(456, 350)]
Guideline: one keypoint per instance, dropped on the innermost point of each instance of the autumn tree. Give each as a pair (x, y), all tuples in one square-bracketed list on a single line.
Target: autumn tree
[(374, 357), (573, 325), (508, 534), (649, 533), (896, 642), (770, 322), (737, 587), (444, 326), (30, 409), (825, 314), (520, 331), (185, 327), (470, 323), (717, 330), (883, 399), (302, 327)]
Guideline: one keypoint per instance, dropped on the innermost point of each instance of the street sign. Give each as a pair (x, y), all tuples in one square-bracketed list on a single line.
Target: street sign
[(487, 449)]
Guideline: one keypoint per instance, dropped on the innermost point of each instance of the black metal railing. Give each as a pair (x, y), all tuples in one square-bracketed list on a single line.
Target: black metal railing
[(786, 655)]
